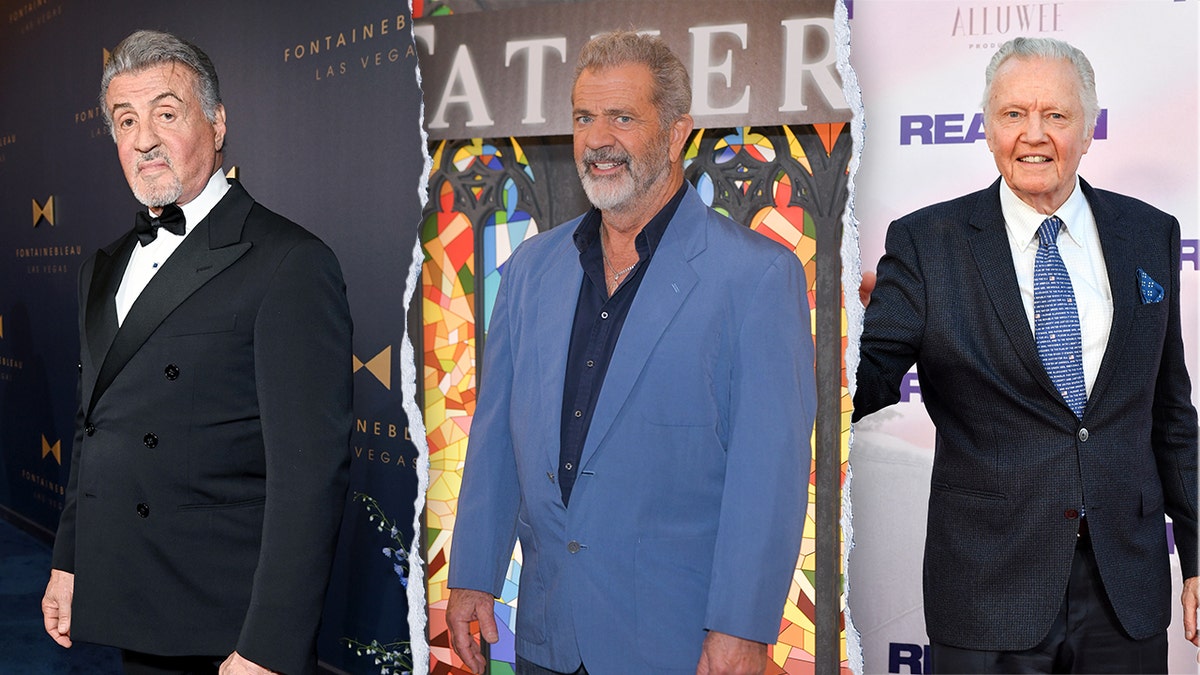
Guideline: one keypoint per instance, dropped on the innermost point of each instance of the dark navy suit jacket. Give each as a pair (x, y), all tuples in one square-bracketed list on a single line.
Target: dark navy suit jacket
[(1012, 464)]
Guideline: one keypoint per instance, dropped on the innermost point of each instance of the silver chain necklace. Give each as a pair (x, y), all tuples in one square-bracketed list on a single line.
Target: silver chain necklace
[(617, 274)]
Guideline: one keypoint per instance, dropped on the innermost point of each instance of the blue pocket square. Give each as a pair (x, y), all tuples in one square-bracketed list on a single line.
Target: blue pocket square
[(1151, 291)]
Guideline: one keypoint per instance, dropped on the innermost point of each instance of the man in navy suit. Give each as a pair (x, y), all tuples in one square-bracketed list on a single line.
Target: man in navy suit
[(1043, 318), (211, 451), (645, 410)]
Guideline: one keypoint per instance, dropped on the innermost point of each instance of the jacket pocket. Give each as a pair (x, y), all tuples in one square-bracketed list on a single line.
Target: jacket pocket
[(948, 489)]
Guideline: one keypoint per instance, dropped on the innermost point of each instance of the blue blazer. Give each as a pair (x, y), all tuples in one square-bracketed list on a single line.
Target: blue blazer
[(1012, 465), (690, 503)]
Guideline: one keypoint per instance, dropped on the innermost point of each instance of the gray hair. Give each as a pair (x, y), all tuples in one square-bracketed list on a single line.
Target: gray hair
[(672, 95), (148, 48), (1049, 48)]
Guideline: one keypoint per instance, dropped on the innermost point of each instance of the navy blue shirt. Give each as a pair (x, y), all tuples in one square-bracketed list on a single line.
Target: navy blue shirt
[(598, 322)]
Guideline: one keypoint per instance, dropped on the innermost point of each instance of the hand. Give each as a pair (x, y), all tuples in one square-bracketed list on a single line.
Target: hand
[(724, 654), (865, 287), (1191, 600), (237, 664), (56, 606), (463, 607)]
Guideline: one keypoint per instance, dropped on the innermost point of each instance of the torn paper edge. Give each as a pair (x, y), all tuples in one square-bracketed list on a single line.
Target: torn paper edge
[(417, 612), (851, 280)]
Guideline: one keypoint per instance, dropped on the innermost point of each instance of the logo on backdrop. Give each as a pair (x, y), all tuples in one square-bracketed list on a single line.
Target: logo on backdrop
[(93, 115), (33, 14), (910, 388), (353, 49), (5, 141), (55, 449), (8, 365), (990, 26), (908, 658), (1189, 253), (383, 442), (94, 118), (379, 365), (952, 128), (774, 66), (43, 211), (46, 259)]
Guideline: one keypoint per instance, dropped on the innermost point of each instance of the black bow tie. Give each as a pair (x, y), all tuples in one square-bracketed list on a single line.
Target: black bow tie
[(147, 226)]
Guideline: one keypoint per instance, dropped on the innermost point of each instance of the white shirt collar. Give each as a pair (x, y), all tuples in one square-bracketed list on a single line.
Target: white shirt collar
[(1022, 220), (197, 209)]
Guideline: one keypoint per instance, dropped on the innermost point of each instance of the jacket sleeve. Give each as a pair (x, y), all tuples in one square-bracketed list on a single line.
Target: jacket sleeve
[(63, 557), (893, 325), (485, 528), (1174, 432), (303, 371), (769, 453)]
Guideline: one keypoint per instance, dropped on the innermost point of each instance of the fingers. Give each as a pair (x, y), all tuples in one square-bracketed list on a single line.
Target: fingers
[(236, 664), (464, 607), (466, 648), (56, 616), (865, 288), (1191, 601), (487, 624)]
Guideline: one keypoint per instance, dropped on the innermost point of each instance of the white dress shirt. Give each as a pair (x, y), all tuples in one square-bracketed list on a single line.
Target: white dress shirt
[(146, 259), (1079, 246)]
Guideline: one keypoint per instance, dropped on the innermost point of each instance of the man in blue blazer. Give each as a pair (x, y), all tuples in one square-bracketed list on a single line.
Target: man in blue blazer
[(1059, 446), (645, 410), (211, 450)]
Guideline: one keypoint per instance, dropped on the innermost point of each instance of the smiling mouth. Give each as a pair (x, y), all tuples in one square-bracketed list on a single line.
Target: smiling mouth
[(605, 166), (1035, 159)]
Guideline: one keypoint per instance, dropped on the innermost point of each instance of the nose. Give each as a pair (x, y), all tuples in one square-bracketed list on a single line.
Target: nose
[(1035, 129), (598, 134), (145, 138)]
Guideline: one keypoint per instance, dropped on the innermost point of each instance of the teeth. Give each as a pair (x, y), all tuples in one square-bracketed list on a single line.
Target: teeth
[(605, 166), (1035, 160)]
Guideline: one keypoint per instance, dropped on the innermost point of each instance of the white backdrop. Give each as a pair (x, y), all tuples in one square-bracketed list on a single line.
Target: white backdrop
[(920, 64)]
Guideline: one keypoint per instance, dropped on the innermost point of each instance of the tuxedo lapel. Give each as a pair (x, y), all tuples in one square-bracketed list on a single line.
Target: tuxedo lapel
[(993, 257), (101, 307), (1121, 264), (211, 247), (668, 282)]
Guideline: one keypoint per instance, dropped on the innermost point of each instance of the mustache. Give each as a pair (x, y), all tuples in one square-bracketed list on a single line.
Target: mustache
[(154, 154), (607, 154)]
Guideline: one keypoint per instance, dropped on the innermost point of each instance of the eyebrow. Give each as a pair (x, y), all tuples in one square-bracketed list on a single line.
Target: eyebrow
[(153, 102), (607, 112)]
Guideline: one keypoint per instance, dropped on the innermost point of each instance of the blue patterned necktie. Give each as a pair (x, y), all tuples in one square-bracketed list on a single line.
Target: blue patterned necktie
[(1056, 319)]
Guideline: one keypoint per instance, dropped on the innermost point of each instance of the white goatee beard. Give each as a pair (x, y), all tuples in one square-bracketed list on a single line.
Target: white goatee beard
[(158, 196), (612, 193)]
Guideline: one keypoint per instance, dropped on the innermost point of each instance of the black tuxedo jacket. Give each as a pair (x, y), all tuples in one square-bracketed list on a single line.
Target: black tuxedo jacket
[(1012, 465), (211, 451)]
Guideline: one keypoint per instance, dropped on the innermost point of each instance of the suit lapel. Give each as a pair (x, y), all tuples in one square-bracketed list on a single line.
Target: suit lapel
[(210, 248), (668, 282), (993, 257), (1121, 264), (555, 307), (101, 307)]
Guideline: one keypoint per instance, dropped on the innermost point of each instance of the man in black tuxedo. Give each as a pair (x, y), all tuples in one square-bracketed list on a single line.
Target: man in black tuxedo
[(211, 451), (1043, 317)]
